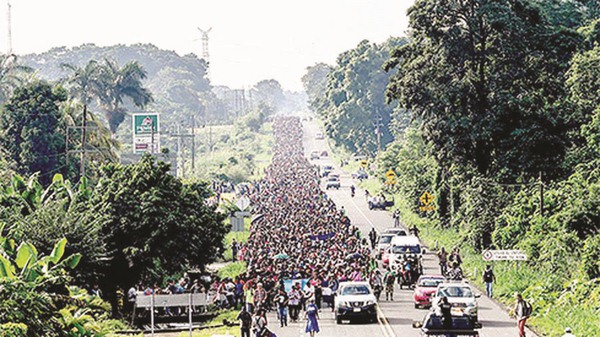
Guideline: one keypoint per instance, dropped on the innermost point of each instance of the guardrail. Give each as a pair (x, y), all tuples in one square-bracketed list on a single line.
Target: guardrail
[(189, 301)]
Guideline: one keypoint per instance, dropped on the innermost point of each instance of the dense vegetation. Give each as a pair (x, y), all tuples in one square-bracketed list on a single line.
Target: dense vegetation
[(179, 86), (503, 98), (124, 224), (353, 105)]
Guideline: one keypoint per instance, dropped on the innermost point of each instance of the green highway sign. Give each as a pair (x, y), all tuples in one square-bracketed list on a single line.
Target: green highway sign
[(146, 132)]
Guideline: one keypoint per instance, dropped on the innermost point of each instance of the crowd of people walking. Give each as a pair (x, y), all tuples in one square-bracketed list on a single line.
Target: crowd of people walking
[(299, 237)]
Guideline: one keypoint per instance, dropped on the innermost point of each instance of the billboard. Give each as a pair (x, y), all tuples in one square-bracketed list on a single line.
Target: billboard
[(146, 132)]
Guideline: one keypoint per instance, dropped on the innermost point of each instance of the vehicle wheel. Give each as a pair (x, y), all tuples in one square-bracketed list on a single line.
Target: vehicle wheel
[(338, 320), (416, 306), (373, 319)]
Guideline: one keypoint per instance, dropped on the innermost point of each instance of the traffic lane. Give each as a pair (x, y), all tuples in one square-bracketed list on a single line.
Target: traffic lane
[(328, 327), (495, 321)]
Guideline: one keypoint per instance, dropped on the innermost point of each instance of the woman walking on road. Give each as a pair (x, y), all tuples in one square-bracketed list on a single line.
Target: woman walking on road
[(312, 317)]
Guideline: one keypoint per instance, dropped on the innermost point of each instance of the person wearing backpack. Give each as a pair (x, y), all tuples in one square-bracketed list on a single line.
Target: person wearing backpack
[(389, 278), (245, 319), (522, 312), (489, 278)]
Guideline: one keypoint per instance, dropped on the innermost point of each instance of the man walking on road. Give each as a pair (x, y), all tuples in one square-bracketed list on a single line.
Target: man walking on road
[(245, 319), (373, 237), (522, 311), (389, 278), (489, 278), (396, 217)]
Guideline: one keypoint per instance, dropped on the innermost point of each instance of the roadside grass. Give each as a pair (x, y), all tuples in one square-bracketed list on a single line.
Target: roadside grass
[(232, 270), (239, 237), (549, 318), (228, 315), (552, 312), (235, 156)]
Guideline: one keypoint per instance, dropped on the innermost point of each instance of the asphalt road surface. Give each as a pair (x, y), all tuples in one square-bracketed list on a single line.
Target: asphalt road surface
[(396, 317)]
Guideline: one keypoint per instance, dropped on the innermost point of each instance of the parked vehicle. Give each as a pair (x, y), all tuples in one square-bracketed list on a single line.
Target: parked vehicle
[(425, 287), (333, 181), (460, 295), (326, 170), (380, 202), (355, 300), (314, 155), (319, 135), (361, 174), (432, 325)]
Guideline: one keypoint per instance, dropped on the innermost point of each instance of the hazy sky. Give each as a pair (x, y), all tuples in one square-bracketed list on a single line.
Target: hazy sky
[(251, 40)]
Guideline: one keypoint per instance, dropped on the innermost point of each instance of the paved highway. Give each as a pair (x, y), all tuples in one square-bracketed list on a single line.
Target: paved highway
[(396, 317)]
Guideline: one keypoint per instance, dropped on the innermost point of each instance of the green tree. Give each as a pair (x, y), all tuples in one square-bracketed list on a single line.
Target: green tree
[(269, 92), (43, 216), (117, 83), (85, 85), (485, 75), (354, 109), (315, 83), (32, 130), (156, 224), (11, 75)]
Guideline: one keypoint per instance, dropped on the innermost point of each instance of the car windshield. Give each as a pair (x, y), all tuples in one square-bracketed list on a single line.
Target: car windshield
[(356, 290), (386, 239), (416, 249), (430, 282), (455, 291)]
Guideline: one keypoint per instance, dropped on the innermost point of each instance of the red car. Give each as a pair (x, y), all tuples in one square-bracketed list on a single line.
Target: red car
[(426, 285)]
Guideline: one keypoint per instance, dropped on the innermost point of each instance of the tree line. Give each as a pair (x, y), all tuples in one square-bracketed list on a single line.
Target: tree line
[(492, 104), (116, 226)]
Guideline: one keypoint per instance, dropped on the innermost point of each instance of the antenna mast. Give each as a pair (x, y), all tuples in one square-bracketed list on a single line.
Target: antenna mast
[(9, 21), (205, 54)]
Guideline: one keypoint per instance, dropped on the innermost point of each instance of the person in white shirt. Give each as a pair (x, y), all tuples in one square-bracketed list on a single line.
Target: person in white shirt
[(568, 333)]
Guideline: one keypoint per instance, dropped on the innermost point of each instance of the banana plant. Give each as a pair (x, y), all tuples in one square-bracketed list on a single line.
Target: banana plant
[(27, 265)]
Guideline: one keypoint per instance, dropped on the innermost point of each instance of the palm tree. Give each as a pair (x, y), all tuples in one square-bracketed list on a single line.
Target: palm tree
[(10, 75), (116, 84), (84, 83), (101, 146)]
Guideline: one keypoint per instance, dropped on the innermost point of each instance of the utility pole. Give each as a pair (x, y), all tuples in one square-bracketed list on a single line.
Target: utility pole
[(83, 125), (152, 138), (179, 149), (9, 52), (541, 194), (180, 145), (193, 145)]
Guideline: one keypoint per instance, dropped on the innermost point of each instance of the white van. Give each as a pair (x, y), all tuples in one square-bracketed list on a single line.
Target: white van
[(405, 245)]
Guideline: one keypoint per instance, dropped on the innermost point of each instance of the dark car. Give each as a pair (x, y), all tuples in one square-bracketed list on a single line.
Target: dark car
[(460, 326)]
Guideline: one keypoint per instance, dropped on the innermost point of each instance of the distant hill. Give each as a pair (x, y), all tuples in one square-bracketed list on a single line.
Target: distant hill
[(151, 57)]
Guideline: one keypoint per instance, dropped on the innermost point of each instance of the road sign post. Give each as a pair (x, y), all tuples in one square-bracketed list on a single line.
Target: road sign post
[(504, 255), (426, 200)]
